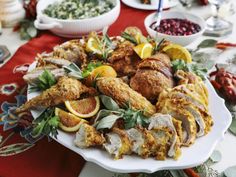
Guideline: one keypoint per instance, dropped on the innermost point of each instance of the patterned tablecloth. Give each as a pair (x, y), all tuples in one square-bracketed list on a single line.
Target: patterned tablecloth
[(50, 159)]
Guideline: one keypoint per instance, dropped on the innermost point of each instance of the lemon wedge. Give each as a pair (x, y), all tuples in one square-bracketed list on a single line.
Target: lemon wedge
[(175, 51), (104, 71), (93, 46), (144, 50)]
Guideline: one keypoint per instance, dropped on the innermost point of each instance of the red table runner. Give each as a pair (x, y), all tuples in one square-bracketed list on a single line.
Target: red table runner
[(47, 159)]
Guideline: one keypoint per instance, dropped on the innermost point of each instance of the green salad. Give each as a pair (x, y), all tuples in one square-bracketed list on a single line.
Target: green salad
[(78, 9)]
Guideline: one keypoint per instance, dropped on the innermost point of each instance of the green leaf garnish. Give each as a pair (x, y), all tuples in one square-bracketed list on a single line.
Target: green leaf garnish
[(46, 124), (90, 67), (193, 67), (109, 103), (45, 81), (107, 122), (74, 71), (106, 118)]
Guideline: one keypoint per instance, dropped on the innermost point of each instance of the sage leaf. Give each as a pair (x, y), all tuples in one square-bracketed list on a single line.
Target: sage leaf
[(74, 71), (107, 122), (109, 103), (232, 127), (102, 113), (230, 172), (207, 43), (15, 149), (216, 156)]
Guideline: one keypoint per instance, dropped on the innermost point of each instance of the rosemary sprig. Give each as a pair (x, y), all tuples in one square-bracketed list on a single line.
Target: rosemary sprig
[(129, 37)]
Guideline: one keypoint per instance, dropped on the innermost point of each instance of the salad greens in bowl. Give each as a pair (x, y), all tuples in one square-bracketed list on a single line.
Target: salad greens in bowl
[(75, 18)]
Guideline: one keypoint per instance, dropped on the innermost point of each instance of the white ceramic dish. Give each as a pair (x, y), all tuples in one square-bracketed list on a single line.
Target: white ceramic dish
[(182, 40), (74, 28), (191, 156), (138, 5)]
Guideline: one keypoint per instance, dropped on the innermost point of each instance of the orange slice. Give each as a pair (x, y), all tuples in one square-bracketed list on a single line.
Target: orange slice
[(84, 108), (68, 122)]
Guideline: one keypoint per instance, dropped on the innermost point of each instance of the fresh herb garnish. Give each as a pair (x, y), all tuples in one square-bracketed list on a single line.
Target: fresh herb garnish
[(45, 81), (90, 67), (193, 67), (46, 124), (106, 46), (106, 118), (129, 37), (157, 46), (74, 71)]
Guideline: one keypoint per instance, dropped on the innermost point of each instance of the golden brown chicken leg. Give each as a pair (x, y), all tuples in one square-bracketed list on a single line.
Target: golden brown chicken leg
[(65, 89), (124, 95)]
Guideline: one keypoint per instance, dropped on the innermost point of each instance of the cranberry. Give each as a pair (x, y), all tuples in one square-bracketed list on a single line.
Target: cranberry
[(177, 27)]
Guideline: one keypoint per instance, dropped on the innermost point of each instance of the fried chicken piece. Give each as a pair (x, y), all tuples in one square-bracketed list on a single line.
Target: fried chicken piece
[(149, 83), (124, 95), (88, 136), (124, 59), (187, 77), (71, 50), (151, 63), (189, 104), (165, 134), (32, 77), (65, 89), (64, 55), (143, 143), (117, 143), (154, 75)]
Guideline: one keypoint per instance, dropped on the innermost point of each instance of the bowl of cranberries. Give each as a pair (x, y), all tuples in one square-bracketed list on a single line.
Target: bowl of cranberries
[(179, 27)]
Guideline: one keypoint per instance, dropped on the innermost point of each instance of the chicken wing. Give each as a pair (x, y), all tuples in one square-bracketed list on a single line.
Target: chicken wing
[(65, 89), (124, 95)]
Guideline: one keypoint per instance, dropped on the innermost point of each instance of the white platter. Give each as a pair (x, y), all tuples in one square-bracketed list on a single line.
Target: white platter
[(138, 5), (191, 156)]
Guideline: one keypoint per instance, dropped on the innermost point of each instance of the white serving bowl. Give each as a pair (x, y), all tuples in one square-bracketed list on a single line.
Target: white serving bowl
[(74, 28), (182, 40)]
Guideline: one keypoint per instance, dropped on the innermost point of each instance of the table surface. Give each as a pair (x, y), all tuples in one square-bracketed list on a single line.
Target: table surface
[(226, 147)]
